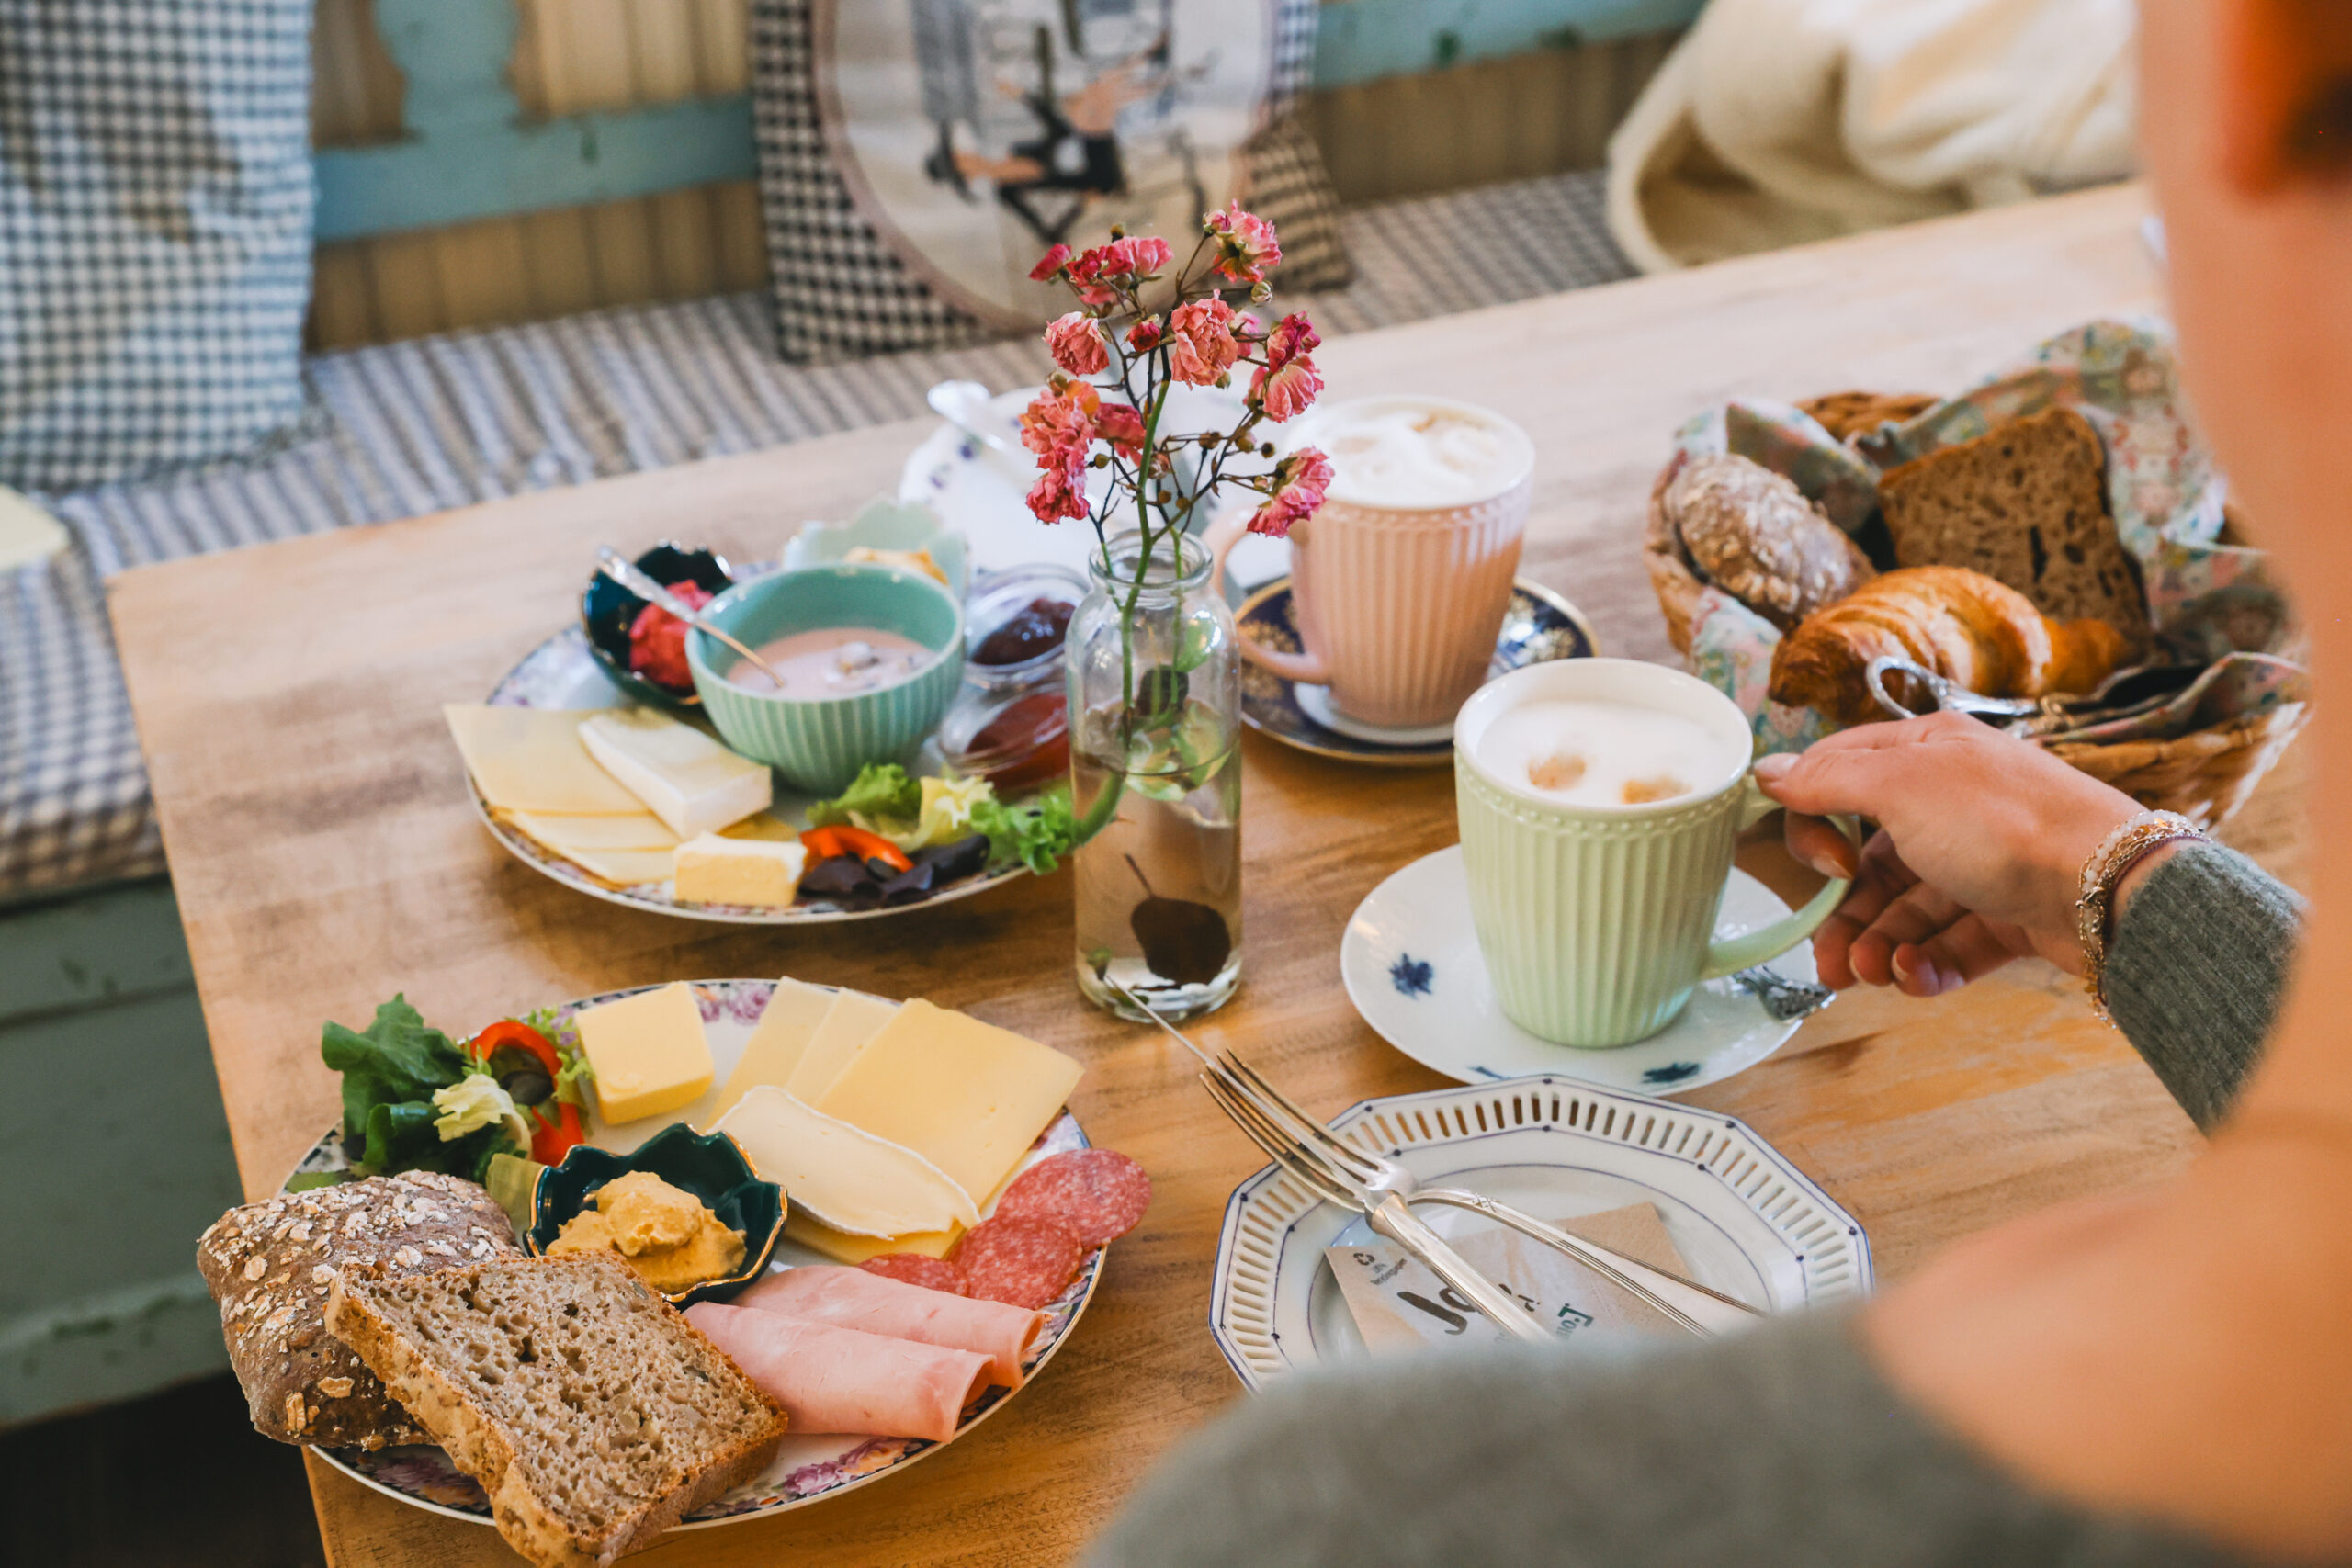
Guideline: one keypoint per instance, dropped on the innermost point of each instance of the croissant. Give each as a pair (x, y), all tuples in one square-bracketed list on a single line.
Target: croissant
[(1960, 624)]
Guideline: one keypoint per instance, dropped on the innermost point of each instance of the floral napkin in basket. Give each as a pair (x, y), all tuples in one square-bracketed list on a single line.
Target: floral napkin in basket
[(2209, 599)]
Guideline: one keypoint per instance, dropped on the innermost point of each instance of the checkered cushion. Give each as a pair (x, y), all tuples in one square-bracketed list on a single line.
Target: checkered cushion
[(843, 289), (443, 422), (156, 213)]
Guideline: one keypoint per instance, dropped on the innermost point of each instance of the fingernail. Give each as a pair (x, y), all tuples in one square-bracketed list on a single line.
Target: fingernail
[(1774, 768), (1903, 963), (1826, 864)]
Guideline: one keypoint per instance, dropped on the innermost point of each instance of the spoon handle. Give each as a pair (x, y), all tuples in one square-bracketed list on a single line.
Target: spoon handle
[(621, 570)]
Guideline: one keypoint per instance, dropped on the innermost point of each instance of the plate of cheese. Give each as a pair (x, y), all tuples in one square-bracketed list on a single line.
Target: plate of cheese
[(946, 1228), (648, 809)]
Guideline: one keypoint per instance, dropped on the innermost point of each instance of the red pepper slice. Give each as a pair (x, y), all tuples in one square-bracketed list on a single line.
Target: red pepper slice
[(549, 1142), (869, 846), (522, 1037), (823, 843)]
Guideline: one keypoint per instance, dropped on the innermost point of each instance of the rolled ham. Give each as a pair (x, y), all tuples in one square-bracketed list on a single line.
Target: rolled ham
[(852, 1298), (838, 1379)]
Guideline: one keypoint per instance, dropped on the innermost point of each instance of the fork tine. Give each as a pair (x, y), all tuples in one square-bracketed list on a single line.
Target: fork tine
[(1309, 1129), (1285, 1153)]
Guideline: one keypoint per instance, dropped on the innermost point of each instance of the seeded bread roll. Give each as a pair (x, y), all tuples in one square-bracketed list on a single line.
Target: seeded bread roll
[(1753, 534), (590, 1410), (269, 1264)]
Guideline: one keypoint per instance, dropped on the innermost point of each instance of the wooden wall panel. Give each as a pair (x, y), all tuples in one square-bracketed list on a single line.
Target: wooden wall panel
[(355, 89)]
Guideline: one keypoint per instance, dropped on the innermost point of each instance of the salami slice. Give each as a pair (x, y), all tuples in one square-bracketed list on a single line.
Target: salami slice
[(1097, 1195), (914, 1269), (1023, 1263)]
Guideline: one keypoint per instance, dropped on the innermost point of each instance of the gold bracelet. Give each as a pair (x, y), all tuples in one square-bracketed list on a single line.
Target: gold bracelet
[(2103, 873)]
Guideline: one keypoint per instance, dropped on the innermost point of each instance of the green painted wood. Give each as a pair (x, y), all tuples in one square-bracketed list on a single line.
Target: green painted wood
[(469, 152), (114, 1153)]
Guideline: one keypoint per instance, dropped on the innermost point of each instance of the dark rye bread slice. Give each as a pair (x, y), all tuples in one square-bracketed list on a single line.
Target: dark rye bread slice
[(2024, 503), (593, 1414)]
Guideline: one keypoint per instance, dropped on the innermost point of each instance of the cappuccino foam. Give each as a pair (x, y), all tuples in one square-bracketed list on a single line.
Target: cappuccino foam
[(1403, 452), (1601, 754)]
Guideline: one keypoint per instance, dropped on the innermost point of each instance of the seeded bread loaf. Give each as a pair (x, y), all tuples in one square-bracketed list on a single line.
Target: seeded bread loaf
[(2024, 503), (269, 1266), (593, 1414)]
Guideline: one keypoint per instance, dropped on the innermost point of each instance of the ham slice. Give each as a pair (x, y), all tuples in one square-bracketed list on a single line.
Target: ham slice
[(838, 1379), (852, 1298)]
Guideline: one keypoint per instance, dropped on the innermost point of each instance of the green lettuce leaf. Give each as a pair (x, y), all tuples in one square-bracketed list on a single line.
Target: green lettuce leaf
[(398, 1059), (881, 790), (1037, 832)]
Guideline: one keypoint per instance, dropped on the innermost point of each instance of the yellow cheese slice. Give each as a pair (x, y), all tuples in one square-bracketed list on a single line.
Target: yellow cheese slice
[(623, 868), (619, 831), (843, 1247), (784, 1032), (531, 759), (843, 1175), (849, 1022), (647, 1052), (967, 1096)]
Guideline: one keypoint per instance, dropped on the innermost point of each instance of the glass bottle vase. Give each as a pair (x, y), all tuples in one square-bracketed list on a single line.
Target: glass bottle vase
[(1155, 705)]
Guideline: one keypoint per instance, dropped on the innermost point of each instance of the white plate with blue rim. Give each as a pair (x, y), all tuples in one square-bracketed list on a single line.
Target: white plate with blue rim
[(1412, 967), (1745, 1220)]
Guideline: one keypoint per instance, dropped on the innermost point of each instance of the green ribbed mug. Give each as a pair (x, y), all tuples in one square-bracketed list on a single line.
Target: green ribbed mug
[(1597, 922)]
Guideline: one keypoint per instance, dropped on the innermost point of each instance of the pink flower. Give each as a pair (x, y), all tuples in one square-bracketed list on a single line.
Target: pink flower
[(1098, 273), (1288, 339), (1300, 482), (1059, 492), (1076, 343), (1246, 247), (1288, 383), (1058, 424), (1202, 348), (1144, 335), (1050, 264), (1121, 426)]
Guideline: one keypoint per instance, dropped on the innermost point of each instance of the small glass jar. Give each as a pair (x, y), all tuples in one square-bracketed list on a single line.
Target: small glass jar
[(1010, 723)]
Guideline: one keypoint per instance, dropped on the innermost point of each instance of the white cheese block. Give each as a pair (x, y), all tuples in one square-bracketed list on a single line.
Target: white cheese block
[(968, 1096), (531, 759), (841, 1175), (691, 782), (760, 872), (852, 1020)]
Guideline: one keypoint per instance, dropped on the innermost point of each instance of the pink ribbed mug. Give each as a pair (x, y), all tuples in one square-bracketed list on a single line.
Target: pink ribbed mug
[(1398, 601)]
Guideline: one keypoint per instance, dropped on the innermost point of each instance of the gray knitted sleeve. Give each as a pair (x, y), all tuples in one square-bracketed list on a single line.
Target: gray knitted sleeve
[(2195, 971)]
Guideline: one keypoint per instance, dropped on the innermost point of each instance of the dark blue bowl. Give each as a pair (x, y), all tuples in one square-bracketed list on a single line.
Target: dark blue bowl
[(711, 1166), (607, 610)]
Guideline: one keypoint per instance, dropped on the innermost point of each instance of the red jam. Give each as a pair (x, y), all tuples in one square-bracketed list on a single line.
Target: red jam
[(656, 639), (1024, 745), (1036, 627)]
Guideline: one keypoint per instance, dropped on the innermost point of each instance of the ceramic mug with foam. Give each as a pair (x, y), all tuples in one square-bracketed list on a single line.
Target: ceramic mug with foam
[(1597, 861), (1400, 582)]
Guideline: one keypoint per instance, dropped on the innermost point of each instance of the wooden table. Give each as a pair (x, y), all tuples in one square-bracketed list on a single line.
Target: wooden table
[(326, 854)]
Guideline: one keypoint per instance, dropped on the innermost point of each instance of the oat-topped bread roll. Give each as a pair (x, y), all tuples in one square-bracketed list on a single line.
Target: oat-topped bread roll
[(2024, 503), (1960, 624), (269, 1264), (1753, 534)]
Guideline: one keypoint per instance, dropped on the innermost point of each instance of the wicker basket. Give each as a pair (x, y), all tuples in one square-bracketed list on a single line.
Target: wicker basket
[(2205, 775)]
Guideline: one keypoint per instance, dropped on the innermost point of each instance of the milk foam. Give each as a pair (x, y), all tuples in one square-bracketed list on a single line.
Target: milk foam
[(1404, 452), (1601, 754)]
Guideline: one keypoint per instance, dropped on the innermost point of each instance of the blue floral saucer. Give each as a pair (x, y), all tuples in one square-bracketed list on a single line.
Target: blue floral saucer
[(1539, 627)]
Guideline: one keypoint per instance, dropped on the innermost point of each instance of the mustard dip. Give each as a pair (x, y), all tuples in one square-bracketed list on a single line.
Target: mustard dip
[(670, 1237)]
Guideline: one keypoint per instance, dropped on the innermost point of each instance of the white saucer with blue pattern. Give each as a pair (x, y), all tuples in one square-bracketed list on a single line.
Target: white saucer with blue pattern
[(1413, 968)]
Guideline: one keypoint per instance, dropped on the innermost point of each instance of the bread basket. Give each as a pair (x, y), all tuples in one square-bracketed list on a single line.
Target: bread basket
[(2205, 773)]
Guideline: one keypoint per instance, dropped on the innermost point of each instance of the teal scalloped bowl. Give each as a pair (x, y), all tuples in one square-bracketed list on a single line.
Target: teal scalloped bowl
[(819, 744), (711, 1166)]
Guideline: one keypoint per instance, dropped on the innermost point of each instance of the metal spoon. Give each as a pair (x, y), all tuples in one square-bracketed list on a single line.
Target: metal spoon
[(621, 570), (2127, 693)]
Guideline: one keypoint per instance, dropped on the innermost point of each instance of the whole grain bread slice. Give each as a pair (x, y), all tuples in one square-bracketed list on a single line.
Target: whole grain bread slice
[(593, 1414), (2024, 503)]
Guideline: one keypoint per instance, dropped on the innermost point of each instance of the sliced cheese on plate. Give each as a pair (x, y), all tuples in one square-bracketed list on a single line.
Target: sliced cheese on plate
[(684, 777), (776, 1042), (968, 1096), (647, 1052), (616, 830), (843, 1176), (849, 1022), (623, 868), (760, 873), (843, 1247), (533, 759)]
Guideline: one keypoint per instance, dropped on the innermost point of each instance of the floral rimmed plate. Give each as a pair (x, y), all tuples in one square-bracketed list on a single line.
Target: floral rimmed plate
[(1539, 627), (806, 1468), (1745, 1220), (561, 673)]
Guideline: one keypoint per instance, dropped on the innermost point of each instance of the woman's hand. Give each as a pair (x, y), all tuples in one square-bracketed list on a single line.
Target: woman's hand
[(1978, 856)]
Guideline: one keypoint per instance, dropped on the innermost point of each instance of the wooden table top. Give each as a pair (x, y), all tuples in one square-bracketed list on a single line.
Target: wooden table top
[(325, 852)]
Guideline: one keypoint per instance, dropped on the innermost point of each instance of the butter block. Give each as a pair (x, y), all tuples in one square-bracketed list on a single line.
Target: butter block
[(843, 1176), (967, 1096), (785, 1027), (759, 871), (691, 782), (647, 1052), (852, 1020)]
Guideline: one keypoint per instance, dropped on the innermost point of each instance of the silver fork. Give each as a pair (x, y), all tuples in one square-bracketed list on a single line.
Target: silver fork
[(1369, 1182)]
